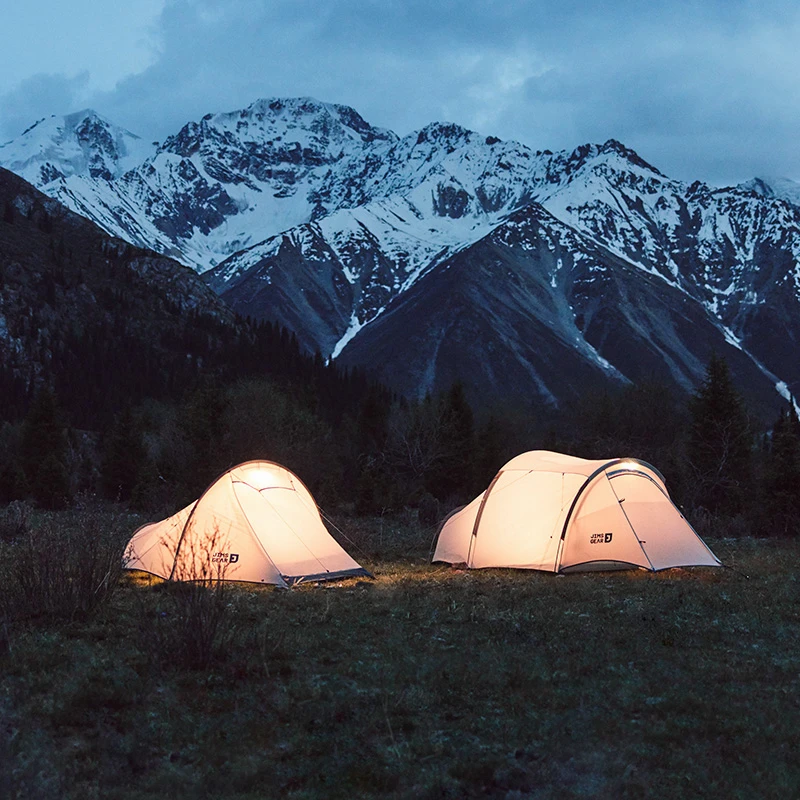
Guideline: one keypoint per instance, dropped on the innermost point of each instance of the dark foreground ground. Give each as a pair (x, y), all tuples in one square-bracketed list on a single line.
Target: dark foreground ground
[(424, 683)]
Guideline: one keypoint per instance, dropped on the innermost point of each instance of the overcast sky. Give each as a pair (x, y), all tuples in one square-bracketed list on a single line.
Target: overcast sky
[(705, 90)]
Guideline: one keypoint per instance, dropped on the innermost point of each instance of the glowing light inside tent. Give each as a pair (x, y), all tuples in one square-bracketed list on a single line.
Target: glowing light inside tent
[(629, 466), (266, 478), (278, 539), (263, 477), (512, 523)]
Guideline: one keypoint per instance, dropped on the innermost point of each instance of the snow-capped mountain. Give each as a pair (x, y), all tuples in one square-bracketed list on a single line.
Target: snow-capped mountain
[(81, 144), (216, 186), (782, 188), (575, 268)]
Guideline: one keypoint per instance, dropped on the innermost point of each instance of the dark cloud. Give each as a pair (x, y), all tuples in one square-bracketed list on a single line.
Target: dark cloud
[(37, 97), (700, 89)]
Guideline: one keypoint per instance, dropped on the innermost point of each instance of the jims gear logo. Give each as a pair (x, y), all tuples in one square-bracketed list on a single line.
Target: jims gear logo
[(224, 558), (600, 538)]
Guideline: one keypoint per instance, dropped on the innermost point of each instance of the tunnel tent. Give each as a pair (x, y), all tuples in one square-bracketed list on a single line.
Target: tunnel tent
[(559, 513), (257, 523)]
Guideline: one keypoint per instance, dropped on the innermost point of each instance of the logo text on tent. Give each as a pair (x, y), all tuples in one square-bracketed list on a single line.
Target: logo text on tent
[(224, 558), (600, 538)]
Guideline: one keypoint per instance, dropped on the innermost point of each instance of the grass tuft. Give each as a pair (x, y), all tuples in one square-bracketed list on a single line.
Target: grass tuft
[(191, 625)]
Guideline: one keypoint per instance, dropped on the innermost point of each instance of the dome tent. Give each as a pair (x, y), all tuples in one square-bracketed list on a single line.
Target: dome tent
[(554, 512), (257, 522)]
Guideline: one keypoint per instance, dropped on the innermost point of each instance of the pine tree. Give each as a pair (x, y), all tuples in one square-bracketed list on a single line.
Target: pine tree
[(124, 458), (720, 443), (12, 482), (12, 478), (43, 451), (202, 424), (489, 451), (782, 478), (373, 420), (52, 484), (454, 473), (374, 484)]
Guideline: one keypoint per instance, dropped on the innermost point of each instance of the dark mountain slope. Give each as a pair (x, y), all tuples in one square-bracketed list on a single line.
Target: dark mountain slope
[(536, 312), (104, 322)]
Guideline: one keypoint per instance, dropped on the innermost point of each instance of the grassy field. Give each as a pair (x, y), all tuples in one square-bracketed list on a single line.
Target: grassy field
[(427, 682)]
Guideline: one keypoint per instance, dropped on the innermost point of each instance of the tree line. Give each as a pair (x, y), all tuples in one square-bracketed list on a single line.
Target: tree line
[(361, 448)]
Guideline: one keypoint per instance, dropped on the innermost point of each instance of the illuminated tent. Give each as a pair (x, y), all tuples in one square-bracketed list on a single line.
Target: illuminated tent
[(257, 523), (559, 513)]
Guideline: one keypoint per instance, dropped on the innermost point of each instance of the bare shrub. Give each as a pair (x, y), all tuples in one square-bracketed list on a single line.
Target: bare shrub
[(194, 623), (63, 567), (14, 521)]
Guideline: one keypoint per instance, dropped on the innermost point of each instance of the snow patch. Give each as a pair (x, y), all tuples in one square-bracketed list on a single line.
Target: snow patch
[(731, 338), (606, 365), (559, 264), (353, 328), (783, 390)]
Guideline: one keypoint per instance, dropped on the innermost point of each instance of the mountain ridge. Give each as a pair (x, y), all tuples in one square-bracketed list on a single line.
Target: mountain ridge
[(302, 212)]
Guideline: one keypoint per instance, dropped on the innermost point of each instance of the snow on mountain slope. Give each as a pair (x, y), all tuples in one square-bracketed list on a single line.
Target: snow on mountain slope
[(731, 257), (213, 188), (234, 178), (366, 256), (780, 188), (82, 144), (305, 213), (536, 310)]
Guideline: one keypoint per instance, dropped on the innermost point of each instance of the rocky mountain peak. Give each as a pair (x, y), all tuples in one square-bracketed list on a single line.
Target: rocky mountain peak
[(773, 187), (626, 153), (307, 113), (81, 143), (278, 130), (587, 154), (446, 134), (99, 143), (698, 191)]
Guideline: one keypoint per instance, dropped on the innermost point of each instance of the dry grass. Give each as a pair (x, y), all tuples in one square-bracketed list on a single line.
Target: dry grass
[(426, 682), (62, 567)]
